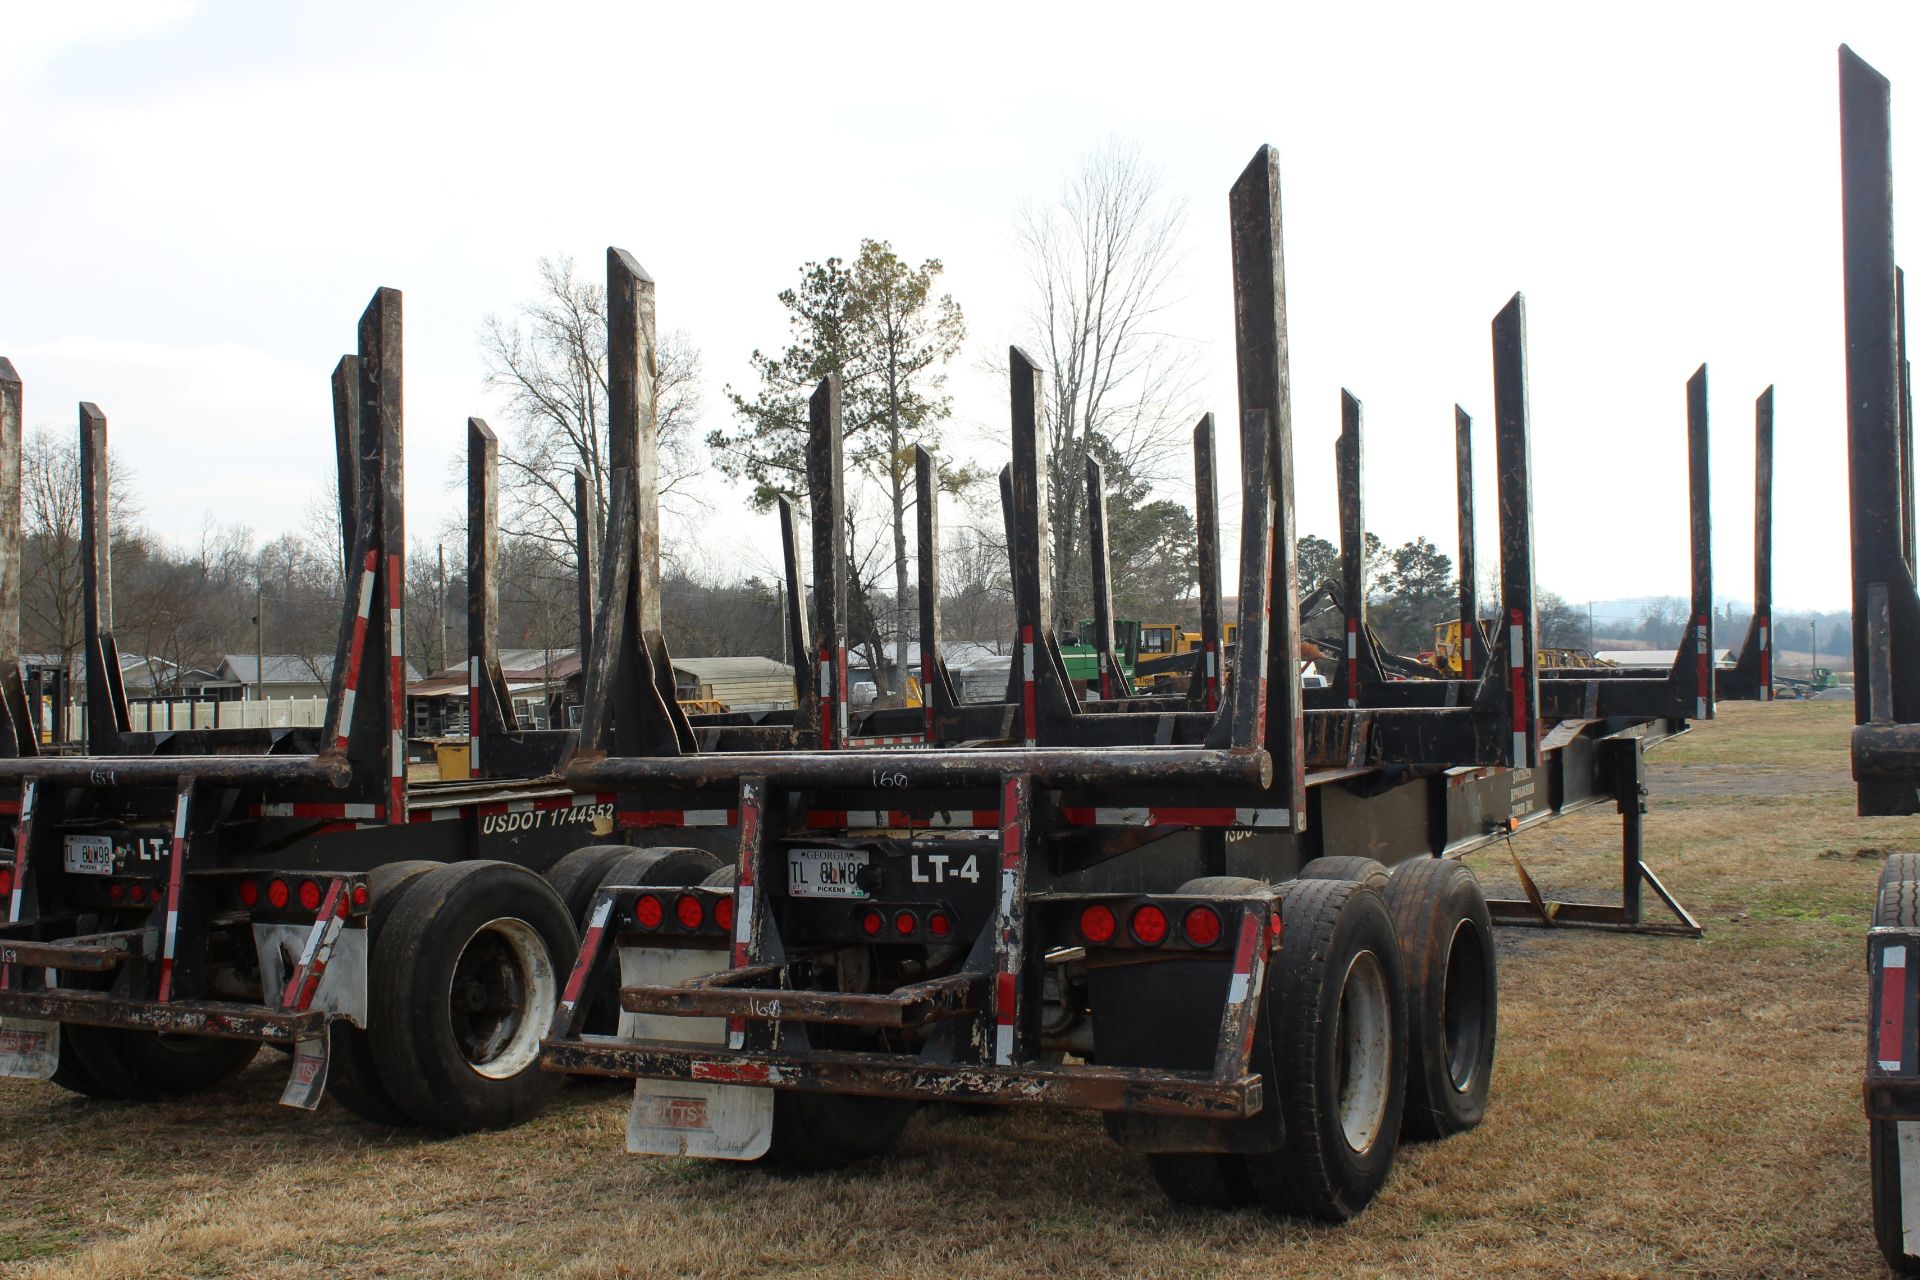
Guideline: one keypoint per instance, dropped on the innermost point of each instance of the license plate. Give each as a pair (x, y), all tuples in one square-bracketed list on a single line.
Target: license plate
[(90, 855), (825, 873)]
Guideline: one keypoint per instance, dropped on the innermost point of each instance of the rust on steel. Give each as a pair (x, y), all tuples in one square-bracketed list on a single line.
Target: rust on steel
[(799, 642), (1353, 551), (586, 544), (1700, 541), (913, 1006), (346, 449), (1473, 649), (488, 701), (826, 480), (106, 697), (1203, 687), (1113, 681), (1516, 677), (18, 735)]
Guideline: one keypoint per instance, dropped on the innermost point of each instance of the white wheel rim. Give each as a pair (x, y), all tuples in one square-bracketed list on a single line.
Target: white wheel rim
[(1363, 1048), (501, 996)]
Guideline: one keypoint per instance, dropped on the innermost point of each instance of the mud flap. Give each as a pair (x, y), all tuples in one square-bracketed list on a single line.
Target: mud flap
[(689, 1117), (308, 1079), (29, 1050)]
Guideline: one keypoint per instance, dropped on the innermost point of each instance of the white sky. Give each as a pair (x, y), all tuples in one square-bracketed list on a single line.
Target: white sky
[(199, 199)]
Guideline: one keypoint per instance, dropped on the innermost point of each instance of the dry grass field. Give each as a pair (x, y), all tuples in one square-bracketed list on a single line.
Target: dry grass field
[(1661, 1107)]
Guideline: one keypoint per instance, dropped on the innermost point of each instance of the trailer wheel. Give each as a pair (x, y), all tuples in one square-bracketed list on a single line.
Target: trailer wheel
[(1208, 1179), (1898, 906), (1367, 871), (579, 875), (71, 1073), (1335, 1013), (148, 1066), (662, 866), (1446, 945), (466, 975), (353, 1073)]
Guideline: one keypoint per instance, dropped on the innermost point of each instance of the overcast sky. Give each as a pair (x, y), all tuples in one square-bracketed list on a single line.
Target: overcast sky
[(199, 199)]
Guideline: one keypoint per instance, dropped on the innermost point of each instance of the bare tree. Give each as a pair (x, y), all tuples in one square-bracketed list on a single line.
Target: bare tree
[(1100, 260), (549, 359)]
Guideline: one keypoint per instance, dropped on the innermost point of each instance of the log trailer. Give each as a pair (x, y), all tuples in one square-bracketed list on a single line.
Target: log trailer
[(1886, 643), (174, 900), (1232, 920)]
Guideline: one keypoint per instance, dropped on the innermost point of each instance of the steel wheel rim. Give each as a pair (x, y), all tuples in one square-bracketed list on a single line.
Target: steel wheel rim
[(500, 997), (1363, 1047), (1464, 1004)]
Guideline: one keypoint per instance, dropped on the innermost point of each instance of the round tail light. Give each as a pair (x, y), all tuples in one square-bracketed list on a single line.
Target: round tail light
[(1202, 926), (872, 924), (939, 924), (248, 892), (723, 913), (117, 891), (6, 881), (1149, 925), (309, 896), (689, 911), (1097, 924), (278, 895), (360, 895), (906, 924), (647, 911)]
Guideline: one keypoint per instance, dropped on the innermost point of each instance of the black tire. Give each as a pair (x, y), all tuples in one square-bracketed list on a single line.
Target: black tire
[(1208, 1179), (147, 1066), (820, 1131), (1453, 995), (353, 1074), (1368, 871), (1898, 907), (70, 1071), (663, 866), (1335, 1013), (465, 978), (579, 875)]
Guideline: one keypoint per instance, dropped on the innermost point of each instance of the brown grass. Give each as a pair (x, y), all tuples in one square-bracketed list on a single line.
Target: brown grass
[(1661, 1107)]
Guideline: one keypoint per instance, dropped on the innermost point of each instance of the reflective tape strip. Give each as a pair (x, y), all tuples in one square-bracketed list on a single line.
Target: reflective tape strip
[(675, 818), (1010, 930), (302, 810), (1029, 698), (319, 949), (1517, 670), (1173, 816), (1353, 661), (1893, 1008), (956, 819), (1703, 670), (473, 714), (22, 833), (176, 866), (350, 683), (589, 953)]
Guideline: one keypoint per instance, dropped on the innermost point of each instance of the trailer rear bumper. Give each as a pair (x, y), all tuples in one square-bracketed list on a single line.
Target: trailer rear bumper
[(1084, 1088), (228, 1020)]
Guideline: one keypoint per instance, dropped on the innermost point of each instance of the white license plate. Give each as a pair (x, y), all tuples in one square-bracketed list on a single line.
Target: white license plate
[(90, 855), (825, 873)]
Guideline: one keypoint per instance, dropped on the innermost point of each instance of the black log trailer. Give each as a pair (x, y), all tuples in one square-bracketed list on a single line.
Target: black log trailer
[(176, 899), (1886, 642), (1232, 919)]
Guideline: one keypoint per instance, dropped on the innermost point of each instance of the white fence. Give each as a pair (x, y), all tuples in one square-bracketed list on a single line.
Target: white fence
[(269, 713)]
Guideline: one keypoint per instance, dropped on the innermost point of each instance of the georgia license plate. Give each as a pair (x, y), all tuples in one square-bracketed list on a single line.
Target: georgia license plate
[(825, 873), (90, 855)]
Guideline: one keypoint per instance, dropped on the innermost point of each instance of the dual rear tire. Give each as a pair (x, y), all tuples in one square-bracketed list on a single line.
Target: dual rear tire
[(1377, 1021)]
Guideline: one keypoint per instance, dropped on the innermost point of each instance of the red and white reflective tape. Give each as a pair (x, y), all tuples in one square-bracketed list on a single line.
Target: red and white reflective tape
[(176, 867), (397, 693), (1517, 675), (877, 819), (1703, 705), (675, 818), (1353, 661), (1248, 959), (1766, 657), (1010, 940), (433, 815), (319, 949), (348, 812), (1174, 816), (1893, 1008), (473, 714), (583, 963), (827, 717), (1029, 697), (350, 684), (897, 740), (926, 694), (753, 795), (23, 832), (1212, 652)]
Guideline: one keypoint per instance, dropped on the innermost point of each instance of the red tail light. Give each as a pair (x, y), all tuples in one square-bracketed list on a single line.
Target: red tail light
[(248, 892), (1097, 924), (6, 881), (138, 893), (1202, 926), (906, 924), (309, 896), (872, 923), (723, 913), (360, 895), (1149, 925), (689, 911), (647, 911), (277, 893), (939, 925), (117, 891), (344, 906)]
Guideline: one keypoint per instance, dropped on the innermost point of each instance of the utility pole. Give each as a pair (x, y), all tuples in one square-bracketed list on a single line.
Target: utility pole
[(259, 641), (440, 608), (1589, 626), (1815, 624)]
